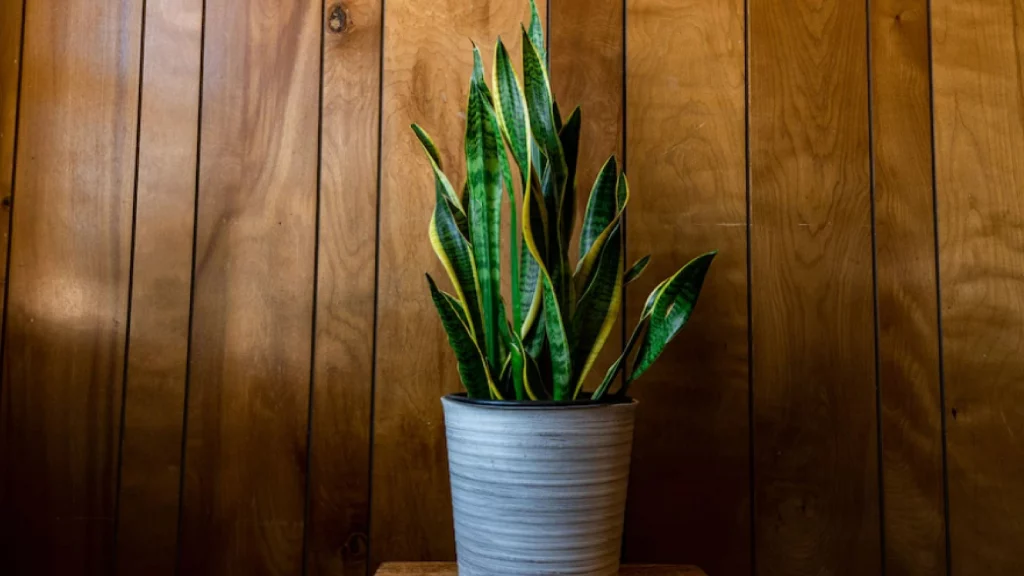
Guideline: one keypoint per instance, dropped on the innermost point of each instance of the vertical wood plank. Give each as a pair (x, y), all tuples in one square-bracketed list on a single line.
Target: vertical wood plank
[(978, 59), (246, 449), (908, 336), (339, 497), (10, 60), (816, 451), (586, 60), (427, 64), (70, 254), (687, 161), (161, 288)]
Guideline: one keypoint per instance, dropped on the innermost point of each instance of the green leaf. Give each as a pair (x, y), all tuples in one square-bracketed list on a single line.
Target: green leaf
[(478, 80), (533, 380), (671, 309), (516, 361), (596, 216), (569, 136), (456, 255), (601, 206), (637, 269), (472, 368), (485, 184), (597, 309), (537, 31), (616, 366), (558, 343), (558, 116), (441, 182), (428, 145), (539, 103), (511, 108)]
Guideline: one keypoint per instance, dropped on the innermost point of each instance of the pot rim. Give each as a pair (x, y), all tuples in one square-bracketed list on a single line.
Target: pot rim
[(462, 398)]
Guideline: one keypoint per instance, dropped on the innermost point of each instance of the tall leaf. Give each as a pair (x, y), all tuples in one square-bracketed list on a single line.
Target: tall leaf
[(616, 366), (456, 255), (511, 107), (569, 136), (637, 269), (484, 177), (537, 31), (601, 206), (558, 344), (476, 377), (672, 307), (597, 309), (441, 182), (539, 103), (589, 259)]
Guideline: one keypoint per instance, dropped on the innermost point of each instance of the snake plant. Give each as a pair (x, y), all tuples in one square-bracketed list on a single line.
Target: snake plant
[(561, 315)]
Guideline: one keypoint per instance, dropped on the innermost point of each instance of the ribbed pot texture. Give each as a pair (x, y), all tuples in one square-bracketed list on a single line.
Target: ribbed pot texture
[(538, 490)]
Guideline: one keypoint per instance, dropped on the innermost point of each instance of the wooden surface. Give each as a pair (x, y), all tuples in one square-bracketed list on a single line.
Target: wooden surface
[(68, 292), (448, 569), (686, 154), (814, 429), (979, 143), (427, 65), (248, 399), (161, 285), (908, 335), (10, 65), (339, 489)]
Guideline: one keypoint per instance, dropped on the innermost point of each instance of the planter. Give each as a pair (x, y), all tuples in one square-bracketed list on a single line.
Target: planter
[(538, 488)]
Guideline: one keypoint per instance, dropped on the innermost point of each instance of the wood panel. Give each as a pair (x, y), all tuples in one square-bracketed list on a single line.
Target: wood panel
[(161, 289), (68, 293), (686, 148), (10, 65), (908, 336), (585, 45), (248, 397), (339, 489), (978, 64), (815, 442), (427, 64)]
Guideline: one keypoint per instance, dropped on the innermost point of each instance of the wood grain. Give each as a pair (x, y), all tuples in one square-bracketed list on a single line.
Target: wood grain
[(686, 150), (248, 403), (68, 293), (449, 569), (908, 335), (161, 287), (979, 129), (427, 64), (339, 497), (816, 451), (10, 60), (586, 59)]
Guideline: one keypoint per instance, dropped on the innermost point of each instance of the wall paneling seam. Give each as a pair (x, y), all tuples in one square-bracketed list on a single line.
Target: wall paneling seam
[(316, 287), (10, 208), (131, 284), (938, 289), (192, 294), (874, 284), (376, 287)]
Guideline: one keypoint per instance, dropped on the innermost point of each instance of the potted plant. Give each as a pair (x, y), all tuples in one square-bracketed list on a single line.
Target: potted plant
[(538, 465)]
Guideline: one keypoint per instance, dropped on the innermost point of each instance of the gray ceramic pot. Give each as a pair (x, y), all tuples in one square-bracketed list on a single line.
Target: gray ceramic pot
[(538, 489)]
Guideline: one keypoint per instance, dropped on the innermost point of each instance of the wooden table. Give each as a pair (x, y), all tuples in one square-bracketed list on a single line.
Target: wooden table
[(448, 569)]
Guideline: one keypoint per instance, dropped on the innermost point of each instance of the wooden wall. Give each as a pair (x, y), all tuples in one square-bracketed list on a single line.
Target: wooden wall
[(219, 356)]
